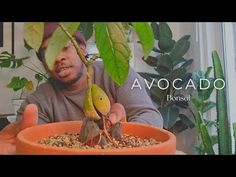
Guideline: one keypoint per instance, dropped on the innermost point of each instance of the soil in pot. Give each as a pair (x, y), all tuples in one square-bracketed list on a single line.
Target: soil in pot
[(71, 140)]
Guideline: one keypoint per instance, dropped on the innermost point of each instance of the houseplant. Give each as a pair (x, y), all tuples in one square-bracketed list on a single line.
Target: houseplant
[(20, 83), (223, 137), (170, 64), (115, 53)]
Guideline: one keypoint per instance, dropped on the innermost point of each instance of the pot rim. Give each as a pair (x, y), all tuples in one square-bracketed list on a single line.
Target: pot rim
[(170, 140)]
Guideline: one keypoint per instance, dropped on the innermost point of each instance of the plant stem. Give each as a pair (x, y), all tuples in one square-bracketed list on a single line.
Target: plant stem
[(35, 71), (78, 50), (21, 94)]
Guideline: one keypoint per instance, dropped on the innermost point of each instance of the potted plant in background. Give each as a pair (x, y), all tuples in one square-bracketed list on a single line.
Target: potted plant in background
[(222, 138), (111, 42), (19, 83), (170, 64)]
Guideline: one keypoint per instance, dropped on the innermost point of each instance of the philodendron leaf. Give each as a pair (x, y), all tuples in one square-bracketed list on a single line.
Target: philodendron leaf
[(33, 34), (58, 41), (114, 50), (146, 36)]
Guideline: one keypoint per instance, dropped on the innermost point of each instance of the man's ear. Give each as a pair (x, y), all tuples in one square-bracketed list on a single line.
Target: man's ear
[(83, 49)]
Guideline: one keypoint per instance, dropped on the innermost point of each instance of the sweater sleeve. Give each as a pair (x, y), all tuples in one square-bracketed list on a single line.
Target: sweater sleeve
[(137, 102), (32, 99)]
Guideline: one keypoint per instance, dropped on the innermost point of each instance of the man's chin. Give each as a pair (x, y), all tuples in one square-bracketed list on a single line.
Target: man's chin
[(63, 83)]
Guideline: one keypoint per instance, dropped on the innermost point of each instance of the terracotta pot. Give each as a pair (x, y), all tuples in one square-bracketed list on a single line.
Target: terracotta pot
[(27, 139)]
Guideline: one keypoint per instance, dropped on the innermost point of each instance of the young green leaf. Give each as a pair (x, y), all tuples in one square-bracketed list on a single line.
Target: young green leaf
[(146, 36)]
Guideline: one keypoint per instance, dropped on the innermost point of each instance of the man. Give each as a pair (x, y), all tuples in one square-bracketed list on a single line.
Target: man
[(61, 97)]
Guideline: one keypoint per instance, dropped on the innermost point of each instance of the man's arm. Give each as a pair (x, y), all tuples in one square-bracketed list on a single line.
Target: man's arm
[(42, 118), (137, 103)]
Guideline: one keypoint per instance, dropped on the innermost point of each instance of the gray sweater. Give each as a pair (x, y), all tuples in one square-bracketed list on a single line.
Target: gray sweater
[(56, 105)]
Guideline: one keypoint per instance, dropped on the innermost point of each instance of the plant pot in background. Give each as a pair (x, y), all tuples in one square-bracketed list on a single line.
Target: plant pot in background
[(16, 103), (27, 140)]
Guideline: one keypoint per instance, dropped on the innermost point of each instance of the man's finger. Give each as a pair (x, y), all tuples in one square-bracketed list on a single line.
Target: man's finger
[(30, 116)]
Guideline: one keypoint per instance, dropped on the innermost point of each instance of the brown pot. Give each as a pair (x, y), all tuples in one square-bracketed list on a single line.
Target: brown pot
[(27, 140)]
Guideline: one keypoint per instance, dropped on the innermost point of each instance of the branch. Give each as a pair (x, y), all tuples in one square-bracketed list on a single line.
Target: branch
[(78, 50)]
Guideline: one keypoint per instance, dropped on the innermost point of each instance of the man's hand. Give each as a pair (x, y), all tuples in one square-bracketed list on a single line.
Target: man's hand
[(9, 133), (117, 113)]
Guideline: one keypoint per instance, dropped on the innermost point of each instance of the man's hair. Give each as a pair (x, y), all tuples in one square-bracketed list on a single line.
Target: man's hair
[(49, 28)]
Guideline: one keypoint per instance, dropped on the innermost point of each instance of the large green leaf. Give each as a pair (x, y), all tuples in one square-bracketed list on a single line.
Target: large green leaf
[(86, 28), (146, 36), (33, 34), (166, 44), (186, 120), (58, 41), (206, 140), (164, 30), (180, 48), (177, 73), (170, 115), (17, 83), (164, 60), (152, 61), (114, 50), (221, 107), (155, 29), (164, 65)]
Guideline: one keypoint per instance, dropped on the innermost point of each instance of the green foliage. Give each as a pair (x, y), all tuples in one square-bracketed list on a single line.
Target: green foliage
[(114, 50), (202, 104), (18, 83), (146, 40), (111, 41), (170, 64), (8, 60), (223, 129)]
